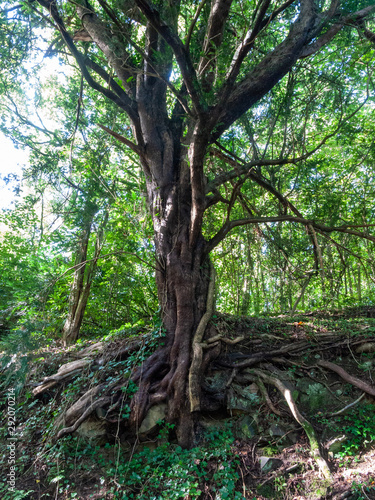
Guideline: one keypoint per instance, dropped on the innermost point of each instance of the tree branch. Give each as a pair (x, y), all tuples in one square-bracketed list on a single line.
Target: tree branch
[(122, 139), (354, 18), (214, 34), (229, 225), (263, 77), (193, 23), (123, 101), (243, 168), (182, 56), (275, 65), (109, 44), (248, 42)]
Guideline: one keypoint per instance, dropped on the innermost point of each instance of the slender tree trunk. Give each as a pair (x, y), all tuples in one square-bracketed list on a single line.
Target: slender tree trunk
[(82, 281), (245, 297), (359, 288)]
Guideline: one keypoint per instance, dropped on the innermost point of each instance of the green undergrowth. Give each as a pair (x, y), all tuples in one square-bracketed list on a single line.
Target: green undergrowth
[(165, 472), (169, 472), (76, 468), (358, 427)]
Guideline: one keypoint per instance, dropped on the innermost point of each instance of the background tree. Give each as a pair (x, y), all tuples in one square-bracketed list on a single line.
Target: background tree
[(187, 76)]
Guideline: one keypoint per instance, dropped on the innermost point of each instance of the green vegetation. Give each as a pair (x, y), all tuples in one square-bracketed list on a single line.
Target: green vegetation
[(358, 427), (188, 260)]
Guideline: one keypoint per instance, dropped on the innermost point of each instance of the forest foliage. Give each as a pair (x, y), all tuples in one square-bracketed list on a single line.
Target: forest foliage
[(184, 158), (321, 112)]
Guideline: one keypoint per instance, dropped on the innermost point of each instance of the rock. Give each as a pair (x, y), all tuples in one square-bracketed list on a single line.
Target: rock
[(367, 347), (335, 445), (241, 398), (268, 464), (245, 427), (92, 430), (154, 415), (287, 437), (275, 430)]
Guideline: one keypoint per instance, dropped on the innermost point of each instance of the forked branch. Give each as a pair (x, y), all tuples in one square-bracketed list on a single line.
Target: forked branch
[(122, 100)]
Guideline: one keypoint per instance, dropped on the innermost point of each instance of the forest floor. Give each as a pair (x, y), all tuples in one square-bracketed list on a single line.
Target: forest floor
[(70, 435)]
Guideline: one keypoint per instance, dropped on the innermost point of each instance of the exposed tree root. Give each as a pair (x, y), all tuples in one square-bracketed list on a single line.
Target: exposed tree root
[(216, 338), (348, 406), (86, 357), (348, 378), (258, 357), (196, 363), (305, 424), (162, 376), (65, 371), (96, 404), (267, 399)]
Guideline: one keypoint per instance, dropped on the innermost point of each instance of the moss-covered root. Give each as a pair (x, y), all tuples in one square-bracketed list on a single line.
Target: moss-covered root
[(195, 367), (305, 424)]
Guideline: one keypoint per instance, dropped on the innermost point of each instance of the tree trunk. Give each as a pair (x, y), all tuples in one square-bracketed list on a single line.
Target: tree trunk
[(182, 280), (183, 268), (83, 276)]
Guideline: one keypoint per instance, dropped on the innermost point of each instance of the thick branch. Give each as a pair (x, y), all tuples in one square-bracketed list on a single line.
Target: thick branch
[(214, 35), (108, 43), (229, 225), (248, 43), (261, 79), (276, 64), (123, 101), (179, 50), (197, 152)]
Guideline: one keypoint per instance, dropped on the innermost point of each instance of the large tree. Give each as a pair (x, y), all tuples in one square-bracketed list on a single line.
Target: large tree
[(184, 74)]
